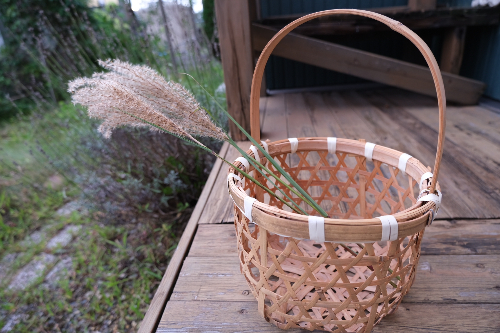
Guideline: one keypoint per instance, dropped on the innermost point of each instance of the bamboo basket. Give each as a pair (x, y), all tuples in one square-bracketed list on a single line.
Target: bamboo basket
[(346, 272)]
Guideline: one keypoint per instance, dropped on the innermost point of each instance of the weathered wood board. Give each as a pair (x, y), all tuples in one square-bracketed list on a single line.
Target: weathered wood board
[(213, 316), (443, 237), (401, 120), (212, 292), (440, 279), (367, 65), (457, 286), (220, 202)]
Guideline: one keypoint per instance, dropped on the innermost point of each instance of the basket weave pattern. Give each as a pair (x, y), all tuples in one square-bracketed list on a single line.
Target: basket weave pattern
[(351, 279), (331, 286)]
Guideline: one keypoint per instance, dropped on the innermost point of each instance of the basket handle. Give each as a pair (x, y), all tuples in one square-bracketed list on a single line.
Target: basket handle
[(394, 25)]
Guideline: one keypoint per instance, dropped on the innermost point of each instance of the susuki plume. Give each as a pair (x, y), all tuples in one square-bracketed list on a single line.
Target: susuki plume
[(129, 92)]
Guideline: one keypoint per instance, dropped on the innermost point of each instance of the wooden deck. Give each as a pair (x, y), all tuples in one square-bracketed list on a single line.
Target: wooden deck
[(457, 288)]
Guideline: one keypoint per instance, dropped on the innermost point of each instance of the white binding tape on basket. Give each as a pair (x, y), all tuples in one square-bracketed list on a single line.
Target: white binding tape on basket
[(248, 206), (434, 198), (316, 228), (389, 228), (266, 147), (255, 152), (332, 145), (369, 147), (403, 160), (294, 144), (243, 161), (340, 146), (232, 175), (425, 176), (229, 176)]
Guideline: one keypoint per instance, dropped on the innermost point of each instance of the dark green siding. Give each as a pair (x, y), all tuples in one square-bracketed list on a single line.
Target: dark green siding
[(288, 7), (481, 58), (284, 74)]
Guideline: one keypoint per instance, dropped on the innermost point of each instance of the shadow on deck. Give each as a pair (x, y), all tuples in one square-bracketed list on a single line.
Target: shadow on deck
[(457, 286)]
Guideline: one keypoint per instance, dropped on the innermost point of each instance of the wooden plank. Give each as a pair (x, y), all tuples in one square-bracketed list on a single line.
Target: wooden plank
[(422, 4), (219, 202), (462, 237), (212, 316), (298, 119), (415, 20), (274, 125), (351, 115), (362, 120), (453, 50), (456, 279), (367, 65), (439, 279), (233, 23), (470, 181), (214, 241), (473, 130), (454, 237), (157, 305), (211, 279), (388, 132), (323, 119)]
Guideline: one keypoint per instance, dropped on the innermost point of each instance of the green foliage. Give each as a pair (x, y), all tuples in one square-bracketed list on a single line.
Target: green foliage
[(25, 34), (49, 42), (209, 18), (140, 186)]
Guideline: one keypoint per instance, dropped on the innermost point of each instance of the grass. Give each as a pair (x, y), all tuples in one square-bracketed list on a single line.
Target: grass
[(117, 264), (116, 267), (140, 188)]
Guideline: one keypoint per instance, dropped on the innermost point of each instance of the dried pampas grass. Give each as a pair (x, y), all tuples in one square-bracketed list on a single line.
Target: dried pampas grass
[(137, 95)]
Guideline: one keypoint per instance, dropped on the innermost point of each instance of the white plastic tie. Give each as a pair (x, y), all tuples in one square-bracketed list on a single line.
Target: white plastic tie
[(243, 161), (434, 198), (389, 228), (403, 160), (369, 150), (248, 206), (266, 147), (316, 228), (232, 175), (255, 153), (332, 145), (424, 177), (294, 144)]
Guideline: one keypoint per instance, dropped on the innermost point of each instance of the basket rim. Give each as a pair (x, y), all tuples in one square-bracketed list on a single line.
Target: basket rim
[(410, 219)]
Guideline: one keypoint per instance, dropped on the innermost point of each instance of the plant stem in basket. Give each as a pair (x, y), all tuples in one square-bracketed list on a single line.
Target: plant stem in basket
[(269, 158), (255, 163), (198, 144)]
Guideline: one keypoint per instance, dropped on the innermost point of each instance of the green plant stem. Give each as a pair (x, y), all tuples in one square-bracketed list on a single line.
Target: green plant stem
[(269, 158), (255, 163), (253, 160), (193, 141)]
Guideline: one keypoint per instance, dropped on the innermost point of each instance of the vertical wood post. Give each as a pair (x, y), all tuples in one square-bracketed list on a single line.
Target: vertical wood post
[(233, 24), (453, 50)]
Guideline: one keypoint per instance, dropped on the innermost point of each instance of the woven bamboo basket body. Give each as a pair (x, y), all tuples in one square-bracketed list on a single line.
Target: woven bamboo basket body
[(342, 273)]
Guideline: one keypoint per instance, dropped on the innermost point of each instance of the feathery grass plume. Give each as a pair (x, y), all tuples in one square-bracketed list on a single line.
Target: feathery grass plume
[(136, 95)]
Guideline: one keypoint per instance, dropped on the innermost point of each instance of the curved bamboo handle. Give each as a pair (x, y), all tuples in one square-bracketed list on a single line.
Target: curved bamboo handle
[(394, 25)]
